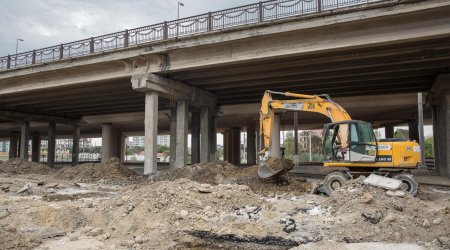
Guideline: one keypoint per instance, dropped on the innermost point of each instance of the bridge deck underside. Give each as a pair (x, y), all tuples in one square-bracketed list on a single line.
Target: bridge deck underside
[(407, 67), (402, 68)]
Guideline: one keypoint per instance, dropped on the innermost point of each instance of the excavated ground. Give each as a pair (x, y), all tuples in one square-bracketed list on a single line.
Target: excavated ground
[(208, 206)]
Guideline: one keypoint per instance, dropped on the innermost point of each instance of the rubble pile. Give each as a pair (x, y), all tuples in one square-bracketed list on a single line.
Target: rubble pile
[(19, 166), (165, 214), (112, 170), (385, 215), (221, 172)]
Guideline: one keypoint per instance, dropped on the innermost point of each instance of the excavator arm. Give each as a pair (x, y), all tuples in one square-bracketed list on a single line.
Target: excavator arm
[(310, 103)]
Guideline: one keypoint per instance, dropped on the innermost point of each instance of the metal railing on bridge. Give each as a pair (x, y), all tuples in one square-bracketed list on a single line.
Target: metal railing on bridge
[(239, 16)]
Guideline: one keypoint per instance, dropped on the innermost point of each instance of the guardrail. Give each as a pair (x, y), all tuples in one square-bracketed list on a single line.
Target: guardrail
[(239, 16)]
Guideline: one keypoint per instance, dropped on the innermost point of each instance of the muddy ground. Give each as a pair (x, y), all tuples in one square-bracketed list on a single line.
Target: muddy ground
[(208, 206)]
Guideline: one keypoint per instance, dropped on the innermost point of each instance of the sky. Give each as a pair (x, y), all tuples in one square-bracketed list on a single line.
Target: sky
[(43, 23)]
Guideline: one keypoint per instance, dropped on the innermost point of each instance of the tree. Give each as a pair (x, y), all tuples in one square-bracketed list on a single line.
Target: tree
[(429, 147), (402, 133), (164, 149), (289, 145)]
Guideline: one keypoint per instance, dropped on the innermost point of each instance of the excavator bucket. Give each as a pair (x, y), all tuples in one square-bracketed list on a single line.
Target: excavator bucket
[(274, 167)]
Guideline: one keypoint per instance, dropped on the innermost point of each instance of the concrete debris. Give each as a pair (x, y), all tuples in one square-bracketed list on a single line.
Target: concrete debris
[(390, 217), (426, 223), (367, 198), (382, 182), (372, 216), (24, 188), (397, 193), (51, 185), (4, 212), (291, 226), (219, 206), (437, 221)]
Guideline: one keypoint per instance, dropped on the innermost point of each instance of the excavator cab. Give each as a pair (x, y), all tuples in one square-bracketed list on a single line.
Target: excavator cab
[(349, 141)]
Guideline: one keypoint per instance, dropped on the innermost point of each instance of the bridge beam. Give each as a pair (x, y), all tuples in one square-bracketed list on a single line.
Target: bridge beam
[(22, 116)]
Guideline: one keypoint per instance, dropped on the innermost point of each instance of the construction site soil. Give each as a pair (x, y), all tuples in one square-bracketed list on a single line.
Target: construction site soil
[(208, 206)]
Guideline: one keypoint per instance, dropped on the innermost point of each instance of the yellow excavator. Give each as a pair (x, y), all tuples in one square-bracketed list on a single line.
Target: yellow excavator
[(349, 146)]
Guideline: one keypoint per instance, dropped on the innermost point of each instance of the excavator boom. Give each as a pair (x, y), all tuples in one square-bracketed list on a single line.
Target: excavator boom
[(310, 103)]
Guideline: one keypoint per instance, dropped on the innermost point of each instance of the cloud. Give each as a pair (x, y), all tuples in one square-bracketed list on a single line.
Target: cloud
[(43, 23)]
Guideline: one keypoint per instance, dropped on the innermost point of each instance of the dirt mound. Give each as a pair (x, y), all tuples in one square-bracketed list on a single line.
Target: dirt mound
[(164, 214), (373, 210), (112, 169), (19, 166), (221, 172)]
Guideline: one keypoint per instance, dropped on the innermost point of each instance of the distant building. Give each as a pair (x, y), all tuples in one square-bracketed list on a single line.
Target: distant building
[(163, 140), (136, 141), (4, 146)]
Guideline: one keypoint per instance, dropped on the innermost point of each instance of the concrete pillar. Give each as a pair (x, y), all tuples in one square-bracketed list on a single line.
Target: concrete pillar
[(389, 131), (24, 140), (151, 132), (258, 142), (439, 99), (118, 143), (235, 150), (212, 137), (35, 147), (195, 137), (13, 146), (413, 128), (205, 133), (182, 134), (251, 144), (107, 142), (225, 145), (173, 136), (296, 153), (421, 129), (275, 150), (76, 145), (51, 144)]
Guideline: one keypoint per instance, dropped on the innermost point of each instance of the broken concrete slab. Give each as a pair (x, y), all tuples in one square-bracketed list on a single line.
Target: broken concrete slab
[(382, 182), (397, 193), (24, 188)]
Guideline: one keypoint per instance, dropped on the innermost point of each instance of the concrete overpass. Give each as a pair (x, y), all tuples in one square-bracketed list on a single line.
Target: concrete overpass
[(374, 57)]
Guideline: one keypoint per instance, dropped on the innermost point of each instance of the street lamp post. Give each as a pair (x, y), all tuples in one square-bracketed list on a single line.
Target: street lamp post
[(178, 15), (17, 44), (17, 49)]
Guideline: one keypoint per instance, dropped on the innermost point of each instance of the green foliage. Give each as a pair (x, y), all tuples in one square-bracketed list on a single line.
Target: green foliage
[(316, 148), (219, 153), (429, 147), (163, 149), (401, 133)]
